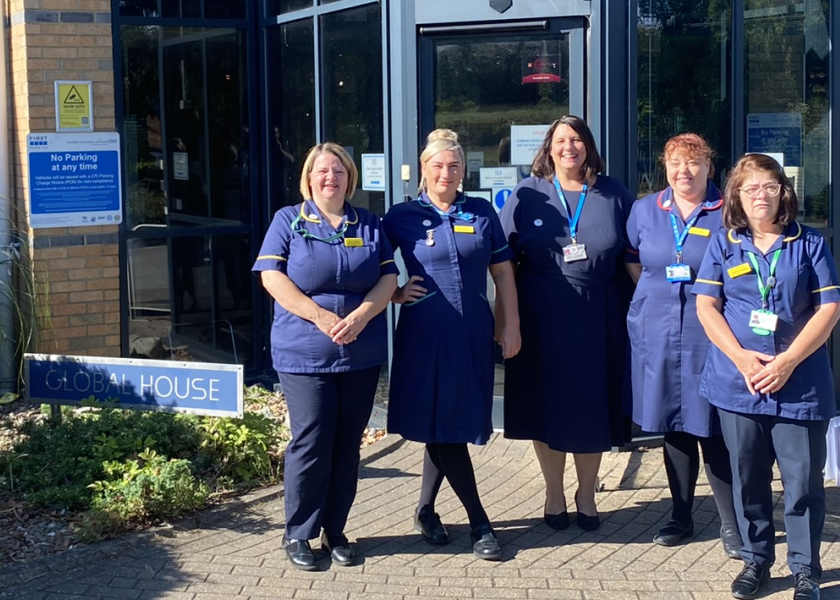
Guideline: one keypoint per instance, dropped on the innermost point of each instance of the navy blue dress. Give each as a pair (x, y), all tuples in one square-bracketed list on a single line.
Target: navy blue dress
[(668, 344), (443, 366), (565, 388)]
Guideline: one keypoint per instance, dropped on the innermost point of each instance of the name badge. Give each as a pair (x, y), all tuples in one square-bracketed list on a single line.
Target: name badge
[(741, 269), (763, 322), (464, 229), (574, 252), (353, 242), (678, 272), (699, 231)]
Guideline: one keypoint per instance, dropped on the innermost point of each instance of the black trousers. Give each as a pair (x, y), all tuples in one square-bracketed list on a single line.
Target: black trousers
[(682, 465), (327, 413), (755, 442)]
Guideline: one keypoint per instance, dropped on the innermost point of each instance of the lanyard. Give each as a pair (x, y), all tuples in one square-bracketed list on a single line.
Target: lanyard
[(679, 238), (299, 228), (765, 287), (573, 222)]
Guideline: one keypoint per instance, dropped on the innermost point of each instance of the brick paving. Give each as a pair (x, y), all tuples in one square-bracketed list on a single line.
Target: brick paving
[(234, 552)]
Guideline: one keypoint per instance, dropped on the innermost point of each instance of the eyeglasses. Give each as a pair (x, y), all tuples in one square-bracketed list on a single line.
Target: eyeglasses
[(769, 189)]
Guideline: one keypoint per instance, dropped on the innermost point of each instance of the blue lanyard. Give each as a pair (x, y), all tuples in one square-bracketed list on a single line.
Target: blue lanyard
[(679, 238), (573, 221), (459, 214)]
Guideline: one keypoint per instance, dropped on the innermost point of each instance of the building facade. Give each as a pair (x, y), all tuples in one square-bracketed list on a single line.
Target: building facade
[(217, 102)]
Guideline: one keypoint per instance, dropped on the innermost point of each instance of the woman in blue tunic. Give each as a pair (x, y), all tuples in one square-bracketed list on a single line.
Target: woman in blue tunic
[(331, 272), (768, 298), (442, 372), (668, 233), (566, 227)]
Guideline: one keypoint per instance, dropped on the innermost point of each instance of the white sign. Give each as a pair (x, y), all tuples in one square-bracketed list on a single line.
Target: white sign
[(373, 172), (479, 194), (475, 160), (498, 177), (181, 166), (525, 140), (74, 179)]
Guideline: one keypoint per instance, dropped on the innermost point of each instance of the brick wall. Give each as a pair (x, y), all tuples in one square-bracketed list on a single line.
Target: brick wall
[(76, 270)]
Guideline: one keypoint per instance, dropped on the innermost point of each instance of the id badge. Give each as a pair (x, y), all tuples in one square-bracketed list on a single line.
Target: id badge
[(678, 272), (763, 322), (574, 252)]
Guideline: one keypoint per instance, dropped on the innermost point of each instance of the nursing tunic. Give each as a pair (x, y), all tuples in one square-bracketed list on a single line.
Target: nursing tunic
[(443, 365), (336, 268), (668, 344), (805, 278), (566, 385)]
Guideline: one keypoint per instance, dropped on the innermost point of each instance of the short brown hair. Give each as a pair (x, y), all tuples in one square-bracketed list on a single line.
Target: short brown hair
[(734, 216), (690, 145), (341, 154), (543, 165)]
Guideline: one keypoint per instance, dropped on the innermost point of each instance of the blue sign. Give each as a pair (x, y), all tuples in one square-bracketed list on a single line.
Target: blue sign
[(776, 133), (500, 196), (156, 385), (74, 179)]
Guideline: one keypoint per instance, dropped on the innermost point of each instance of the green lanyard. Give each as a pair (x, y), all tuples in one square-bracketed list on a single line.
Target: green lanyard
[(764, 287)]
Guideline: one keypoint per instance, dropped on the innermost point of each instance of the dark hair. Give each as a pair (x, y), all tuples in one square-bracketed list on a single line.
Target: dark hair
[(690, 145), (734, 216), (543, 165)]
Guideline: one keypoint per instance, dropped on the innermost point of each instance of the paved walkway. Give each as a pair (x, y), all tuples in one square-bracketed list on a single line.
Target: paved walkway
[(233, 552)]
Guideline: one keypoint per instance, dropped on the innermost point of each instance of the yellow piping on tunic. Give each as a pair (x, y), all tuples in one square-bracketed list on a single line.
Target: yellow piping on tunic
[(709, 281)]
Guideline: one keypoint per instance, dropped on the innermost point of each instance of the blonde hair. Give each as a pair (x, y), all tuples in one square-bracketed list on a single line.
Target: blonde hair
[(343, 157), (440, 140)]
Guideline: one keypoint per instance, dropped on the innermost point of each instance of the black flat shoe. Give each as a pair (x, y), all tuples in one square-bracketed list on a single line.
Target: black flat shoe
[(428, 523), (674, 532), (299, 554), (731, 539), (587, 522), (558, 522), (806, 588), (745, 586), (341, 552), (485, 544)]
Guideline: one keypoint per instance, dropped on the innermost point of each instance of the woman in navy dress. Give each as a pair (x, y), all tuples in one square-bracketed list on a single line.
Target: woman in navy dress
[(566, 227), (768, 298), (331, 272), (442, 372), (668, 233)]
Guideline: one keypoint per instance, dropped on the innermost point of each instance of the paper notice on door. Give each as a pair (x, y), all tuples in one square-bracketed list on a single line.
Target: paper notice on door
[(498, 177), (525, 140)]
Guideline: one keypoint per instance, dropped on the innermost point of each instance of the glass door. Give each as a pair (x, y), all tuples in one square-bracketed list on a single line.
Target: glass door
[(500, 87)]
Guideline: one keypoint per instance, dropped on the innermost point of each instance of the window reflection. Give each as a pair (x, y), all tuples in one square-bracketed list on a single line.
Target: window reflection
[(352, 88), (786, 53), (209, 9), (279, 7), (675, 97), (291, 108)]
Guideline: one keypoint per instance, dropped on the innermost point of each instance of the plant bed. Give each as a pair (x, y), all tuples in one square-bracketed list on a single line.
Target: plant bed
[(102, 472)]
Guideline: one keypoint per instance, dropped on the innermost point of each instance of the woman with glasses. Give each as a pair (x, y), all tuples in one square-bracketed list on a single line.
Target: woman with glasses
[(331, 272), (768, 298), (443, 366), (566, 226), (668, 233)]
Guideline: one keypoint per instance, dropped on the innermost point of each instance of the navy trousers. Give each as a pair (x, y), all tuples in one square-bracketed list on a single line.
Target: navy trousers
[(754, 442), (328, 413)]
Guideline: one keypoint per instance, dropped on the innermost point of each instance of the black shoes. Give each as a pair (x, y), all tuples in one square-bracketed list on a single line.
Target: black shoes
[(428, 523), (587, 522), (485, 544), (674, 532), (299, 554), (806, 588), (558, 522), (749, 580), (341, 552), (731, 539)]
